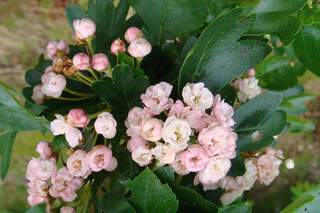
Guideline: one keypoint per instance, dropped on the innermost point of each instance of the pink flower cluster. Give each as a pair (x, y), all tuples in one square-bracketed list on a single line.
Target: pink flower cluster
[(52, 85), (139, 47), (189, 139), (263, 168), (45, 180)]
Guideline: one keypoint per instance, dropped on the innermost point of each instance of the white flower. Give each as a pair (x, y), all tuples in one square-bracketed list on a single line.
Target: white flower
[(216, 169), (289, 163), (178, 165), (151, 129), (197, 96), (176, 132), (136, 117), (142, 156), (164, 153), (106, 125), (248, 89), (53, 84)]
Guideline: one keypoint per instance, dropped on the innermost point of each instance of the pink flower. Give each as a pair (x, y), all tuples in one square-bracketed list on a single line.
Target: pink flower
[(84, 28), (164, 153), (156, 98), (142, 156), (34, 200), (37, 94), (55, 47), (197, 96), (176, 132), (60, 126), (136, 142), (197, 119), (139, 48), (77, 164), (118, 46), (40, 169), (136, 117), (81, 61), (218, 141), (216, 169), (222, 112), (53, 84), (44, 150), (195, 158), (248, 88), (179, 165), (78, 118), (99, 158), (178, 109), (268, 165), (132, 34), (106, 125), (100, 62), (151, 129), (66, 209), (64, 185)]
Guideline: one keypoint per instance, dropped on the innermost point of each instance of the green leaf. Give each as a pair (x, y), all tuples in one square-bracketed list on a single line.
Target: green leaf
[(307, 202), (165, 174), (269, 127), (277, 17), (296, 104), (279, 73), (219, 57), (18, 119), (237, 166), (236, 208), (190, 197), (58, 143), (6, 143), (167, 19), (74, 11), (123, 91), (249, 115), (114, 200), (41, 208), (306, 47), (298, 124), (150, 196), (6, 98)]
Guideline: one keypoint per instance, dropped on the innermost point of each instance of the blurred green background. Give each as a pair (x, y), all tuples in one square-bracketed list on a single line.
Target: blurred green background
[(26, 27)]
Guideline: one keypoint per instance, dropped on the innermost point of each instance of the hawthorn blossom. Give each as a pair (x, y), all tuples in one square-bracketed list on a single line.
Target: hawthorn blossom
[(136, 117), (197, 96), (78, 118), (66, 209), (222, 112), (156, 98), (195, 158), (248, 88), (37, 94), (139, 48), (151, 129), (132, 34), (53, 84), (118, 46), (100, 157), (165, 154), (142, 156), (106, 125), (77, 164), (55, 47), (136, 142), (100, 62), (176, 132), (84, 28), (44, 150), (179, 165), (65, 185), (81, 61)]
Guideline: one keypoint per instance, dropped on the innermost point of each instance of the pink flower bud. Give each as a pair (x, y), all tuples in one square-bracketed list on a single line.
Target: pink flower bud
[(132, 34), (78, 118), (100, 62), (78, 165), (44, 150), (112, 165), (81, 61), (139, 48), (37, 94), (66, 209), (118, 46), (84, 28), (99, 158)]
